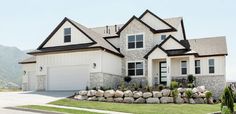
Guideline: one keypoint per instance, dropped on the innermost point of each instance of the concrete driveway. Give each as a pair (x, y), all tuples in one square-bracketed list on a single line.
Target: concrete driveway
[(12, 99)]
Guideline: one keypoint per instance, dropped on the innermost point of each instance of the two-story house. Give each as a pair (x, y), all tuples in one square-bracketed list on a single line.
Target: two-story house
[(147, 48)]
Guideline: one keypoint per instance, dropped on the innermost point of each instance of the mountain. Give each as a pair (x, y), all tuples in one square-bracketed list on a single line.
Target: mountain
[(10, 70)]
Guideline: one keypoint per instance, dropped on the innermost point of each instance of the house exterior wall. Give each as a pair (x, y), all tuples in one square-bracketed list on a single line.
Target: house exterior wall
[(77, 37), (29, 69), (172, 44), (111, 64), (115, 42)]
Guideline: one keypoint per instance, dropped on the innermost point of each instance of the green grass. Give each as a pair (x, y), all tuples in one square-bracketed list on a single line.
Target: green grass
[(142, 108), (53, 109), (9, 89)]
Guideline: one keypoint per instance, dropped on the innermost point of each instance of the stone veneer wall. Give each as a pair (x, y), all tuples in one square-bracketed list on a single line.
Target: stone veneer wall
[(213, 83), (100, 79)]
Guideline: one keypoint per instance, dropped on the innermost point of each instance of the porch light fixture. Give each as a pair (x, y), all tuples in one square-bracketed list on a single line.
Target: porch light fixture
[(40, 68), (94, 65), (24, 72)]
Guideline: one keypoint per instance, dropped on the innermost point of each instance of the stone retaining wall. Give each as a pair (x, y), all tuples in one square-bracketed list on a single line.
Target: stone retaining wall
[(128, 96)]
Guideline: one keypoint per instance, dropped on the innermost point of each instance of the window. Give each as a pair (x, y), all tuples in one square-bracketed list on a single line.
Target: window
[(67, 35), (135, 68), (163, 37), (211, 64), (135, 41), (197, 67), (183, 67)]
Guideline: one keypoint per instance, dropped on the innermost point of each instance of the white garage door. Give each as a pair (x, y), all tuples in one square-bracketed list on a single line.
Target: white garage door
[(68, 77)]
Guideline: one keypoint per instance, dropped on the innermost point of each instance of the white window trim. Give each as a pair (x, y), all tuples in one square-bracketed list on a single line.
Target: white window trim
[(136, 76), (199, 66), (213, 66), (67, 34), (135, 42), (181, 68)]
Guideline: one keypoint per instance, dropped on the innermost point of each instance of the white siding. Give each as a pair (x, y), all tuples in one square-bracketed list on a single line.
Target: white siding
[(77, 37), (111, 64), (219, 66), (157, 53), (29, 68), (154, 22), (171, 44)]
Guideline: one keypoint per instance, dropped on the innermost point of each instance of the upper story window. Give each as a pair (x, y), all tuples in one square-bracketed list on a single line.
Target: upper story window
[(163, 37), (135, 41), (211, 64), (197, 67), (135, 68), (67, 35), (183, 67)]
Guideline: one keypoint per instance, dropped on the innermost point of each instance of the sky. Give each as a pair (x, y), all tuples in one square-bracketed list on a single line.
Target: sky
[(26, 23)]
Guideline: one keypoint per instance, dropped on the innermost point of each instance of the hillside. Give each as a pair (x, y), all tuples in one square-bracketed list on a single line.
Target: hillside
[(10, 70)]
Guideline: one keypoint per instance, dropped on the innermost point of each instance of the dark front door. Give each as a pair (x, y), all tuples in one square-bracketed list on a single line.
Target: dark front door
[(163, 72)]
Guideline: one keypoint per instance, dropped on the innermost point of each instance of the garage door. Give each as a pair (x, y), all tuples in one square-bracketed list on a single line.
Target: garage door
[(68, 77)]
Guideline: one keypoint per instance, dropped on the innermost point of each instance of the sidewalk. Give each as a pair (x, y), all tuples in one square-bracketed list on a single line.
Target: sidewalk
[(86, 109)]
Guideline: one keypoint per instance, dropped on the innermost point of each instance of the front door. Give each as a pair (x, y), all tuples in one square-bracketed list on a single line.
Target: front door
[(163, 72)]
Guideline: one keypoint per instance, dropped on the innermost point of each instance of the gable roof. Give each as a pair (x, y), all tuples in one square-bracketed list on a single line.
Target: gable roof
[(163, 30), (171, 37), (97, 40), (28, 60), (156, 46)]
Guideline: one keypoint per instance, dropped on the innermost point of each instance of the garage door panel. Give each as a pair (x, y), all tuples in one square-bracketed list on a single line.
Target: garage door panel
[(68, 77)]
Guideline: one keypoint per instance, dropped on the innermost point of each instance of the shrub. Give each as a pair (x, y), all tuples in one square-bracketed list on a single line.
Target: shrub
[(227, 99), (174, 94), (191, 78), (135, 86), (173, 85), (87, 88), (225, 110), (94, 88), (127, 79), (208, 96), (180, 85), (122, 85), (190, 85), (148, 88), (140, 85), (188, 94), (161, 87)]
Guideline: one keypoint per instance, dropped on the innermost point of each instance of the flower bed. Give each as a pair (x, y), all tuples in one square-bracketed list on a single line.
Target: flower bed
[(184, 95)]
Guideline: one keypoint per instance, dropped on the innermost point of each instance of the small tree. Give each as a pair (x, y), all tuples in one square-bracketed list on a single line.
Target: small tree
[(127, 79), (174, 85), (225, 110), (188, 94), (191, 78), (227, 99), (208, 96), (174, 94)]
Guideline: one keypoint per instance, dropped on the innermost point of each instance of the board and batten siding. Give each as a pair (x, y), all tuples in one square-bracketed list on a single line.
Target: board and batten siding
[(77, 37), (219, 66), (111, 64), (29, 69)]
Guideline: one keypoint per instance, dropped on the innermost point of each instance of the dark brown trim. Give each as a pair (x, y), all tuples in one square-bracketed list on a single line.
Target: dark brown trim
[(27, 62), (112, 45), (212, 55), (170, 36), (110, 37), (157, 46), (183, 29), (147, 11), (58, 27)]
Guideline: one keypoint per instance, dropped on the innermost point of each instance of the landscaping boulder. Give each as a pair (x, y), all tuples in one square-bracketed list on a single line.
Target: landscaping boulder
[(210, 101), (83, 93), (110, 99), (119, 93), (195, 90), (196, 95), (137, 94), (153, 100), (140, 100), (185, 100), (147, 94), (201, 89), (100, 93), (94, 98), (191, 101), (156, 94), (181, 90), (167, 100), (202, 95), (80, 97), (91, 93), (179, 100), (199, 100), (119, 100), (165, 92), (128, 93), (101, 99), (109, 93), (128, 100)]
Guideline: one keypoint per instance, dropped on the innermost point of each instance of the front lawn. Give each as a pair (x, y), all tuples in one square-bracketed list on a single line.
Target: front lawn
[(53, 109), (142, 108)]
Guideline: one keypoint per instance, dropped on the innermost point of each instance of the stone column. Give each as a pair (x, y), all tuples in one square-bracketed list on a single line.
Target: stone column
[(168, 63), (150, 76), (191, 65)]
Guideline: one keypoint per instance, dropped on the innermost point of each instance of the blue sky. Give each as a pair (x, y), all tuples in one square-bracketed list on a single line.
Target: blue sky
[(26, 23)]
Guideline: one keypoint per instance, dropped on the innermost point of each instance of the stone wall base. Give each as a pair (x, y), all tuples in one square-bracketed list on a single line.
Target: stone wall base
[(106, 80), (213, 83)]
